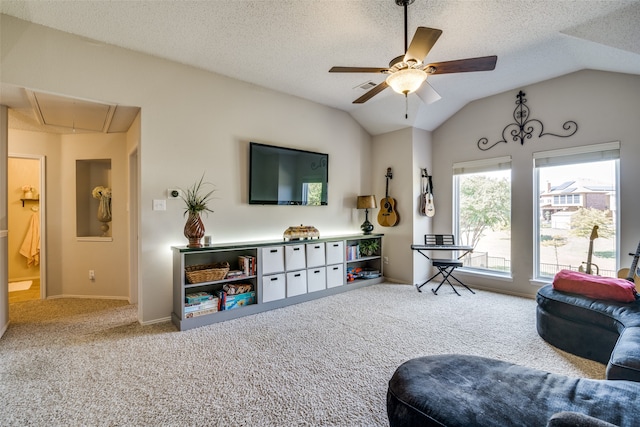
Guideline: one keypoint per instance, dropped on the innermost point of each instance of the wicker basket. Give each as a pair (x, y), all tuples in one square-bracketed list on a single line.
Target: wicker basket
[(206, 272)]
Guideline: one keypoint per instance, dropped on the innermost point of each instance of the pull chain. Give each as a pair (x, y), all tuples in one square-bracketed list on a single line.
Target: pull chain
[(406, 107)]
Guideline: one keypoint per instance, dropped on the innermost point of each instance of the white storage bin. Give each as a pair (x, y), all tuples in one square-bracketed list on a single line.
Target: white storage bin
[(294, 257), (316, 279), (335, 275), (335, 252), (296, 283), (273, 287), (272, 260), (315, 255)]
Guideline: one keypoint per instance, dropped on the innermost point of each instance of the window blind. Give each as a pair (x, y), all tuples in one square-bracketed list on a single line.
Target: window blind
[(484, 165), (583, 154)]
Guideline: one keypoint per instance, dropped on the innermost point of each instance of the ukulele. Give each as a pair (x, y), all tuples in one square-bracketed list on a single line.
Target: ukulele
[(423, 195), (388, 217), (631, 274), (594, 235), (431, 209)]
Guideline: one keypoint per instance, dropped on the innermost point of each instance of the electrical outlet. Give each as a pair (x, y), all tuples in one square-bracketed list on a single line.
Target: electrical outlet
[(159, 205), (173, 193), (92, 275), (386, 260)]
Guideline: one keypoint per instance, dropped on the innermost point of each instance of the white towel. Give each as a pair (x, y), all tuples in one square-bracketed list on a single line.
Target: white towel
[(31, 246)]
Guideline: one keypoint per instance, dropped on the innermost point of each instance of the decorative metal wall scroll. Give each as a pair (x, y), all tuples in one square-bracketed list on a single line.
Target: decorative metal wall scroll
[(523, 128)]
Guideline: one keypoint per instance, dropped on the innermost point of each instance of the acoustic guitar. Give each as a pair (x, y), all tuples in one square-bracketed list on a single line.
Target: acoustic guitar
[(588, 270), (631, 274), (388, 217)]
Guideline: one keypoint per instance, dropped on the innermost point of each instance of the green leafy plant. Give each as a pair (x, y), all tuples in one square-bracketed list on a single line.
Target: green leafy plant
[(369, 247), (197, 197)]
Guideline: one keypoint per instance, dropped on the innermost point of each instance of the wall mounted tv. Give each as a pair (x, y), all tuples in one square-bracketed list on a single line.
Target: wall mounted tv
[(285, 176)]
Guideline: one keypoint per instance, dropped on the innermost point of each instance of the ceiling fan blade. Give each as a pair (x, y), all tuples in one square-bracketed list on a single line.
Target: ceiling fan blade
[(428, 94), (423, 41), (484, 63), (373, 92), (357, 70)]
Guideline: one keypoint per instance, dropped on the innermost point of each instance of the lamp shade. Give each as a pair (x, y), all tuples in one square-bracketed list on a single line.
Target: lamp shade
[(407, 80), (366, 202)]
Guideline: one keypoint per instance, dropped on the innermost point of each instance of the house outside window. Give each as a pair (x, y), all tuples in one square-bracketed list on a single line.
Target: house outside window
[(575, 190), (482, 213)]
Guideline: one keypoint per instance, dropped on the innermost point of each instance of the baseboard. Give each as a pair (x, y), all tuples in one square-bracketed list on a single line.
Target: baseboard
[(88, 297), (152, 322), (4, 329)]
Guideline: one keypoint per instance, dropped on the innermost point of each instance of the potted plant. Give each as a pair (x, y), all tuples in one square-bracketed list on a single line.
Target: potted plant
[(196, 199), (368, 247)]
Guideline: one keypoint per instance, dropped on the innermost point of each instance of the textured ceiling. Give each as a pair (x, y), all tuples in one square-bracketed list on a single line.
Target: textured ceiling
[(289, 45)]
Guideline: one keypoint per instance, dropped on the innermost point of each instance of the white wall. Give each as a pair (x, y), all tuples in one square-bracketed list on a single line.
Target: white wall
[(193, 122), (606, 107), (422, 158), (406, 152), (69, 260), (109, 259)]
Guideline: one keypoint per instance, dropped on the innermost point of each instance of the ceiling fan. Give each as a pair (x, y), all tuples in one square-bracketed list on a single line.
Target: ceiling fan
[(407, 73)]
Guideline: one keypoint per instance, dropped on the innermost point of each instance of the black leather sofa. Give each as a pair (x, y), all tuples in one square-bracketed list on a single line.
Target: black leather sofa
[(601, 330), (466, 391)]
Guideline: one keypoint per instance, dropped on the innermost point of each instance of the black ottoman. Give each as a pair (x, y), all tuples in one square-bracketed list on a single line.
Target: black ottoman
[(465, 391)]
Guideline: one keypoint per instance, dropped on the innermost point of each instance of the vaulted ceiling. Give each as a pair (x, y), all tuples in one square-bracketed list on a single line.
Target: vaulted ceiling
[(290, 45)]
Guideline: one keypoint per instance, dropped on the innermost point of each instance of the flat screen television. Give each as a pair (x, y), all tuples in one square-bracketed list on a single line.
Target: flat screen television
[(286, 176)]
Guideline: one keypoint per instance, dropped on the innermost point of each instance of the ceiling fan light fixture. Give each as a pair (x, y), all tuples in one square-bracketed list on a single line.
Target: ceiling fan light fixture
[(406, 81)]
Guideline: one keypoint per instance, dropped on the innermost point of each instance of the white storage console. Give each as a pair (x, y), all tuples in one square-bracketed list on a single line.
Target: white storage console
[(275, 273)]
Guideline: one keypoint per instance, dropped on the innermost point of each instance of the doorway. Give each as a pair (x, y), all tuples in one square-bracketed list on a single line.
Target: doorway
[(26, 226)]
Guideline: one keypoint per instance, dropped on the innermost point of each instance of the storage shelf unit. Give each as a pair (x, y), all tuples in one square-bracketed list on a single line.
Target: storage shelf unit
[(287, 272)]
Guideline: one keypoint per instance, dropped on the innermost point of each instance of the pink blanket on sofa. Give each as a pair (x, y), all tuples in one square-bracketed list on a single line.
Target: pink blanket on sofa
[(607, 288)]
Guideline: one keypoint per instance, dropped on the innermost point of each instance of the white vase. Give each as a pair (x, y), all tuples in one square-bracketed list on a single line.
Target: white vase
[(104, 214), (28, 195)]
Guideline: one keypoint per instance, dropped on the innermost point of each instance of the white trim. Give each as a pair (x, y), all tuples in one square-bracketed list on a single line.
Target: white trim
[(94, 239), (493, 274), (4, 328), (88, 297), (155, 321)]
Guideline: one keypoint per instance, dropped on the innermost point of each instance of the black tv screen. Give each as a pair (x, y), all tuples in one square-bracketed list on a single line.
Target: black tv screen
[(285, 176)]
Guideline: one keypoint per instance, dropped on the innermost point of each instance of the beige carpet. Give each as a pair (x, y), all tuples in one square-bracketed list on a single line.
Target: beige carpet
[(20, 286), (321, 363)]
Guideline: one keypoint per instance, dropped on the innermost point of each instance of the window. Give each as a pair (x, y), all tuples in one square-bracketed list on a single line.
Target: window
[(483, 212), (312, 193), (575, 190)]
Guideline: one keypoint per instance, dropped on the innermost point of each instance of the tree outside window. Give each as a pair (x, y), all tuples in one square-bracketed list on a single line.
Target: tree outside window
[(484, 219)]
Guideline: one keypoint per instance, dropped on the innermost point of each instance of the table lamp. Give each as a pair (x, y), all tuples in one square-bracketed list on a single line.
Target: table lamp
[(366, 203)]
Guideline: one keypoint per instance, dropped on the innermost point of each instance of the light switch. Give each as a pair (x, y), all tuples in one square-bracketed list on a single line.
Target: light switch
[(159, 205)]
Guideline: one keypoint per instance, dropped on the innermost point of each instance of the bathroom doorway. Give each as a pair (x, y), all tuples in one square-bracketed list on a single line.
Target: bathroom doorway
[(26, 225)]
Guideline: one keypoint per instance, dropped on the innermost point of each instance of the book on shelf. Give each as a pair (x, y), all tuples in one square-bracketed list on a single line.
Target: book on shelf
[(233, 274), (247, 264), (198, 297), (229, 302), (353, 252), (201, 312), (203, 305)]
